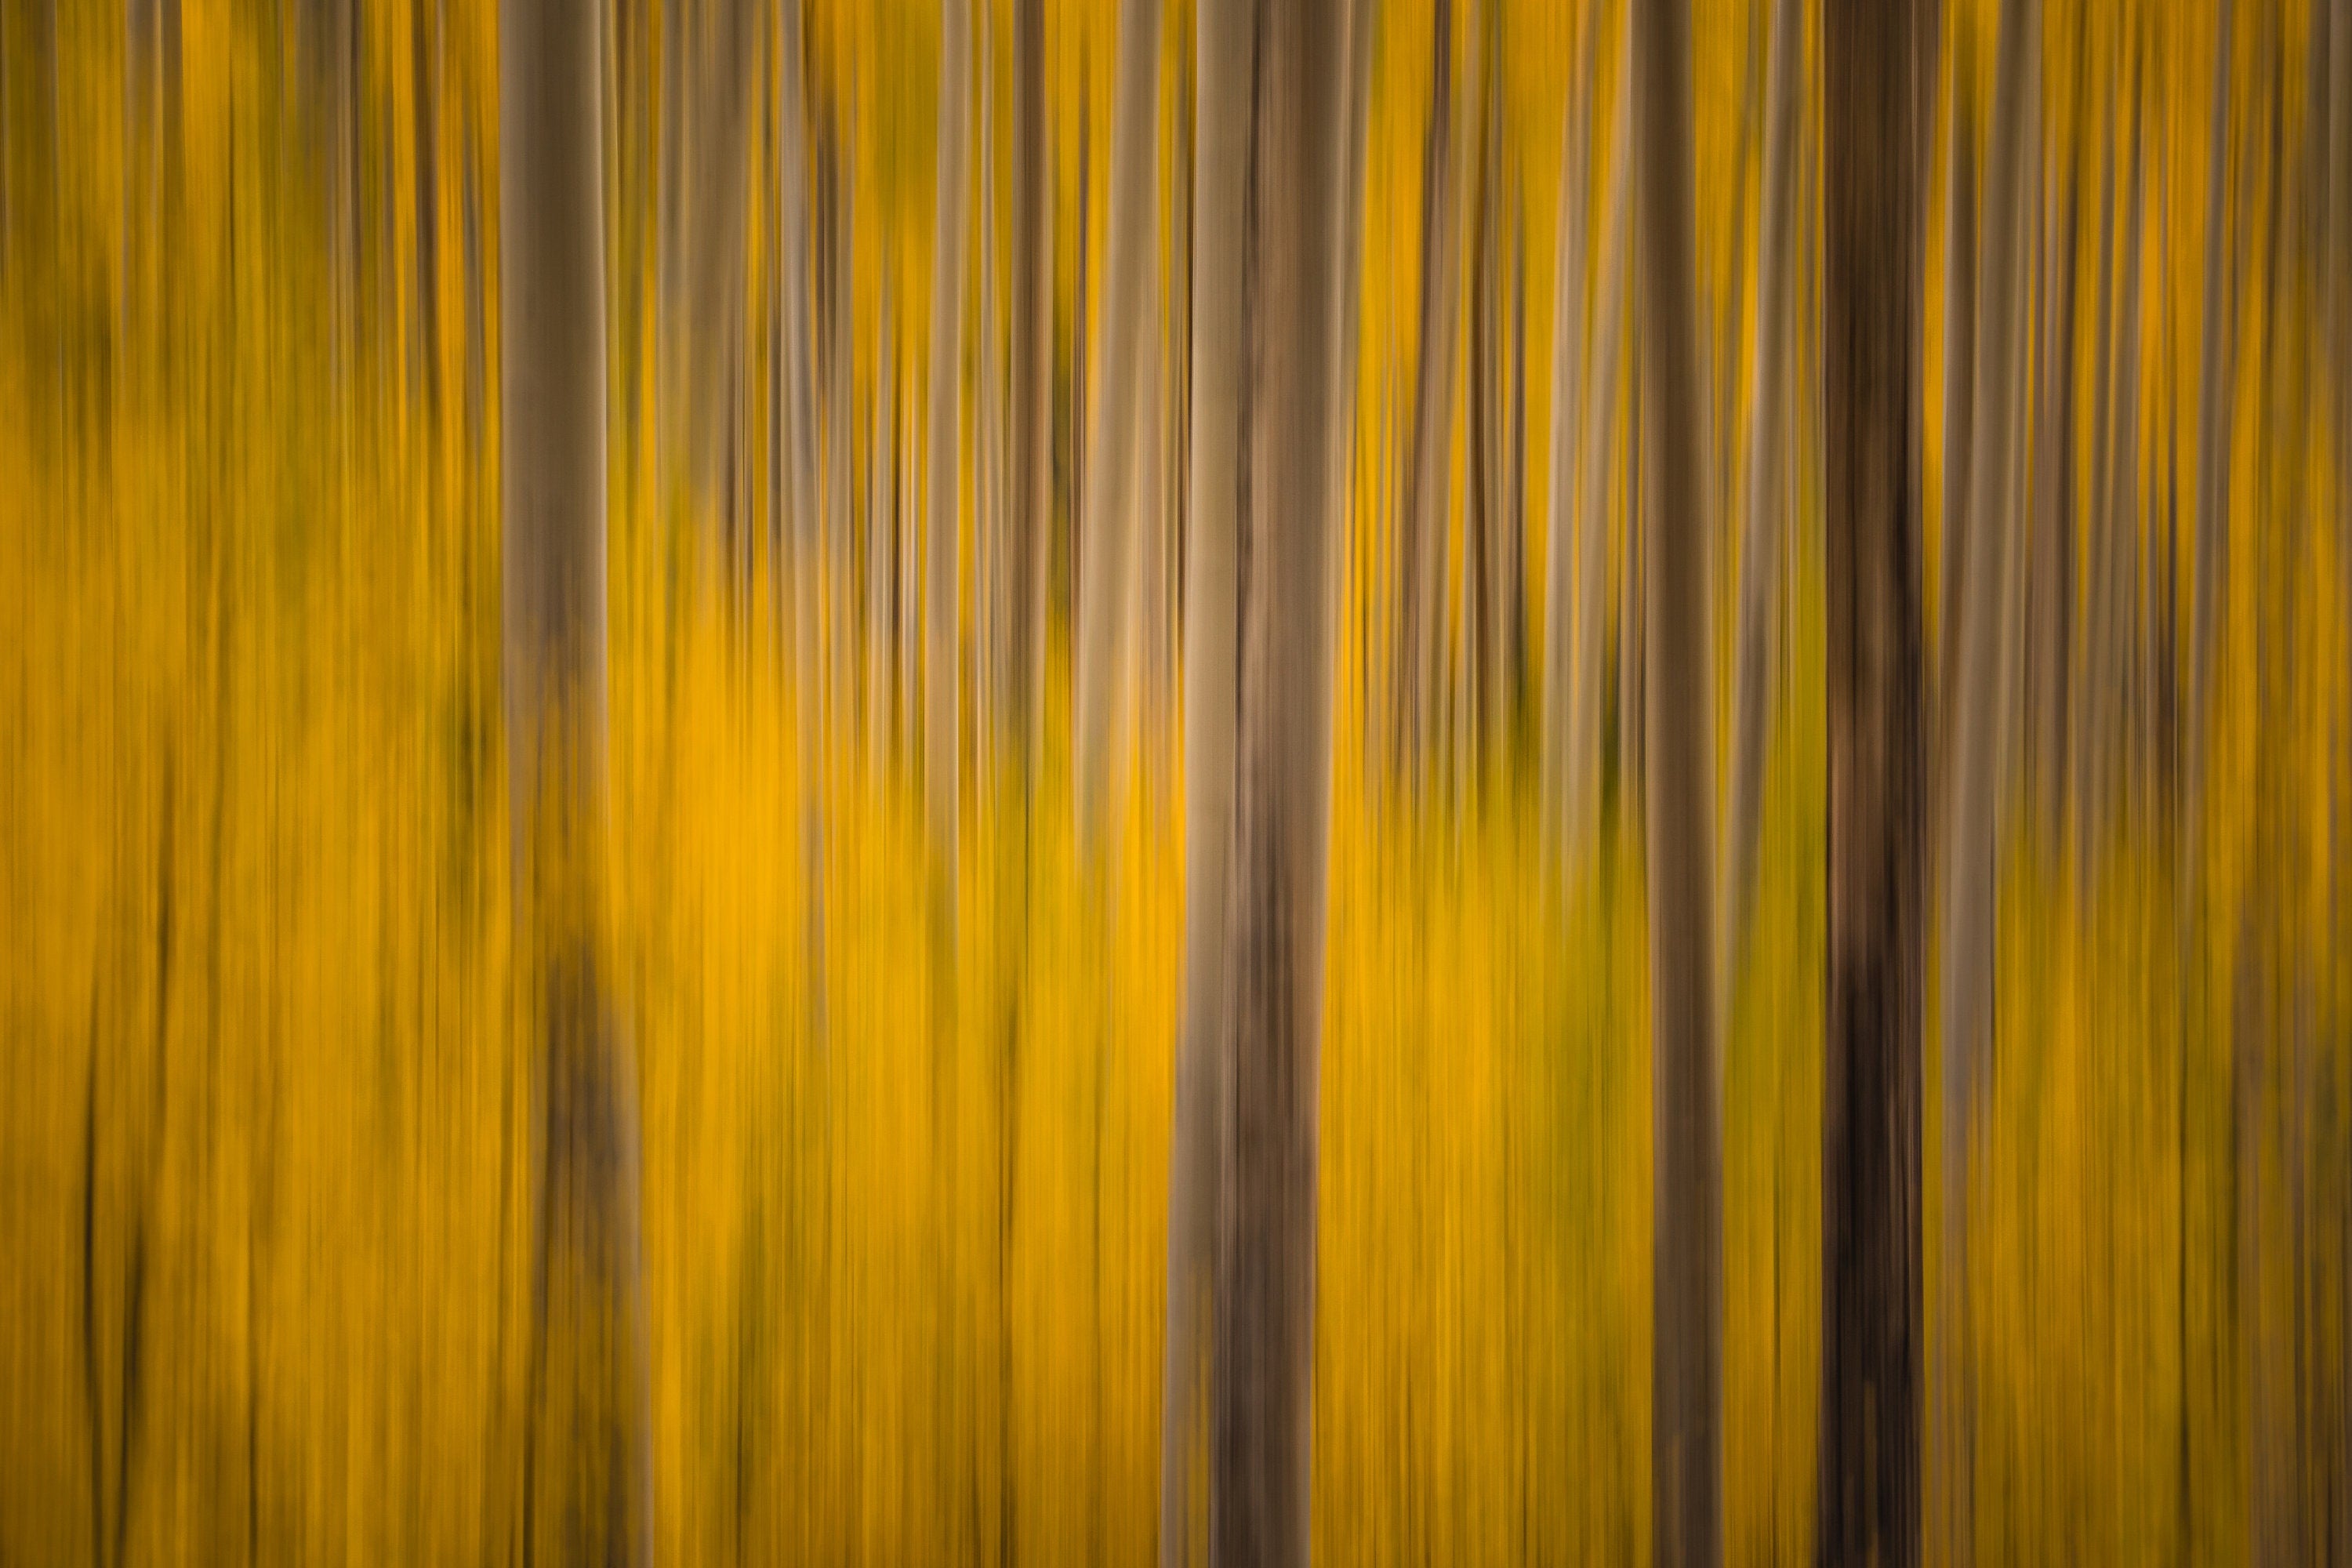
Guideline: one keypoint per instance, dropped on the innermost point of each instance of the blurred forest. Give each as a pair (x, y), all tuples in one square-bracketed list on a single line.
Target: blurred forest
[(893, 871)]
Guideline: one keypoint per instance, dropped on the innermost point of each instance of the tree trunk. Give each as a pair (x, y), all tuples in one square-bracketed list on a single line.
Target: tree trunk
[(1686, 1455), (1029, 484), (1959, 405), (1870, 1478), (1568, 390), (1263, 1373), (1425, 566), (793, 483), (1595, 466), (940, 741), (1214, 491), (2050, 580), (1106, 596), (714, 236), (588, 1457), (1982, 686), (1759, 553), (2213, 418)]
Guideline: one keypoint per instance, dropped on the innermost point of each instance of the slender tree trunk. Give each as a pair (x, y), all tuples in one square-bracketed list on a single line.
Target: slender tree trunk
[(2091, 671), (940, 743), (1982, 686), (1568, 391), (795, 485), (2123, 592), (1030, 487), (2213, 418), (1215, 493), (1425, 566), (1960, 402), (1147, 498), (1265, 1283), (1759, 553), (1687, 1430), (1595, 466), (2050, 582), (589, 1455), (1107, 595), (714, 236), (883, 537), (1870, 1249)]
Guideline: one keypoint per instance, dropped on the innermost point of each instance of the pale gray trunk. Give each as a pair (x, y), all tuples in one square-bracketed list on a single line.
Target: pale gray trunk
[(1423, 570), (1686, 1427), (1264, 1367), (589, 1450), (940, 739), (1226, 41), (2213, 418), (1760, 553), (1029, 492), (1595, 466), (1567, 380), (1107, 595), (1981, 685)]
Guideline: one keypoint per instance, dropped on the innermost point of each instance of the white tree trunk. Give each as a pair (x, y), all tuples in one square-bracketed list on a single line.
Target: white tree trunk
[(1106, 596)]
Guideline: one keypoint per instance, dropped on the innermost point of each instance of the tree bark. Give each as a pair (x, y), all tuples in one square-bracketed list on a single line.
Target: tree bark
[(2050, 580), (2213, 418), (1107, 595), (1595, 466), (1687, 1402), (940, 741), (1959, 404), (1982, 686), (1030, 483), (793, 481), (1568, 389), (589, 1455), (1870, 1476), (1215, 493), (1264, 1363), (1759, 553), (1425, 566)]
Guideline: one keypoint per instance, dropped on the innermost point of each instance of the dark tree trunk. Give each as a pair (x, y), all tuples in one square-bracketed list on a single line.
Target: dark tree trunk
[(588, 1458), (1264, 1360), (1869, 1485), (1678, 774)]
